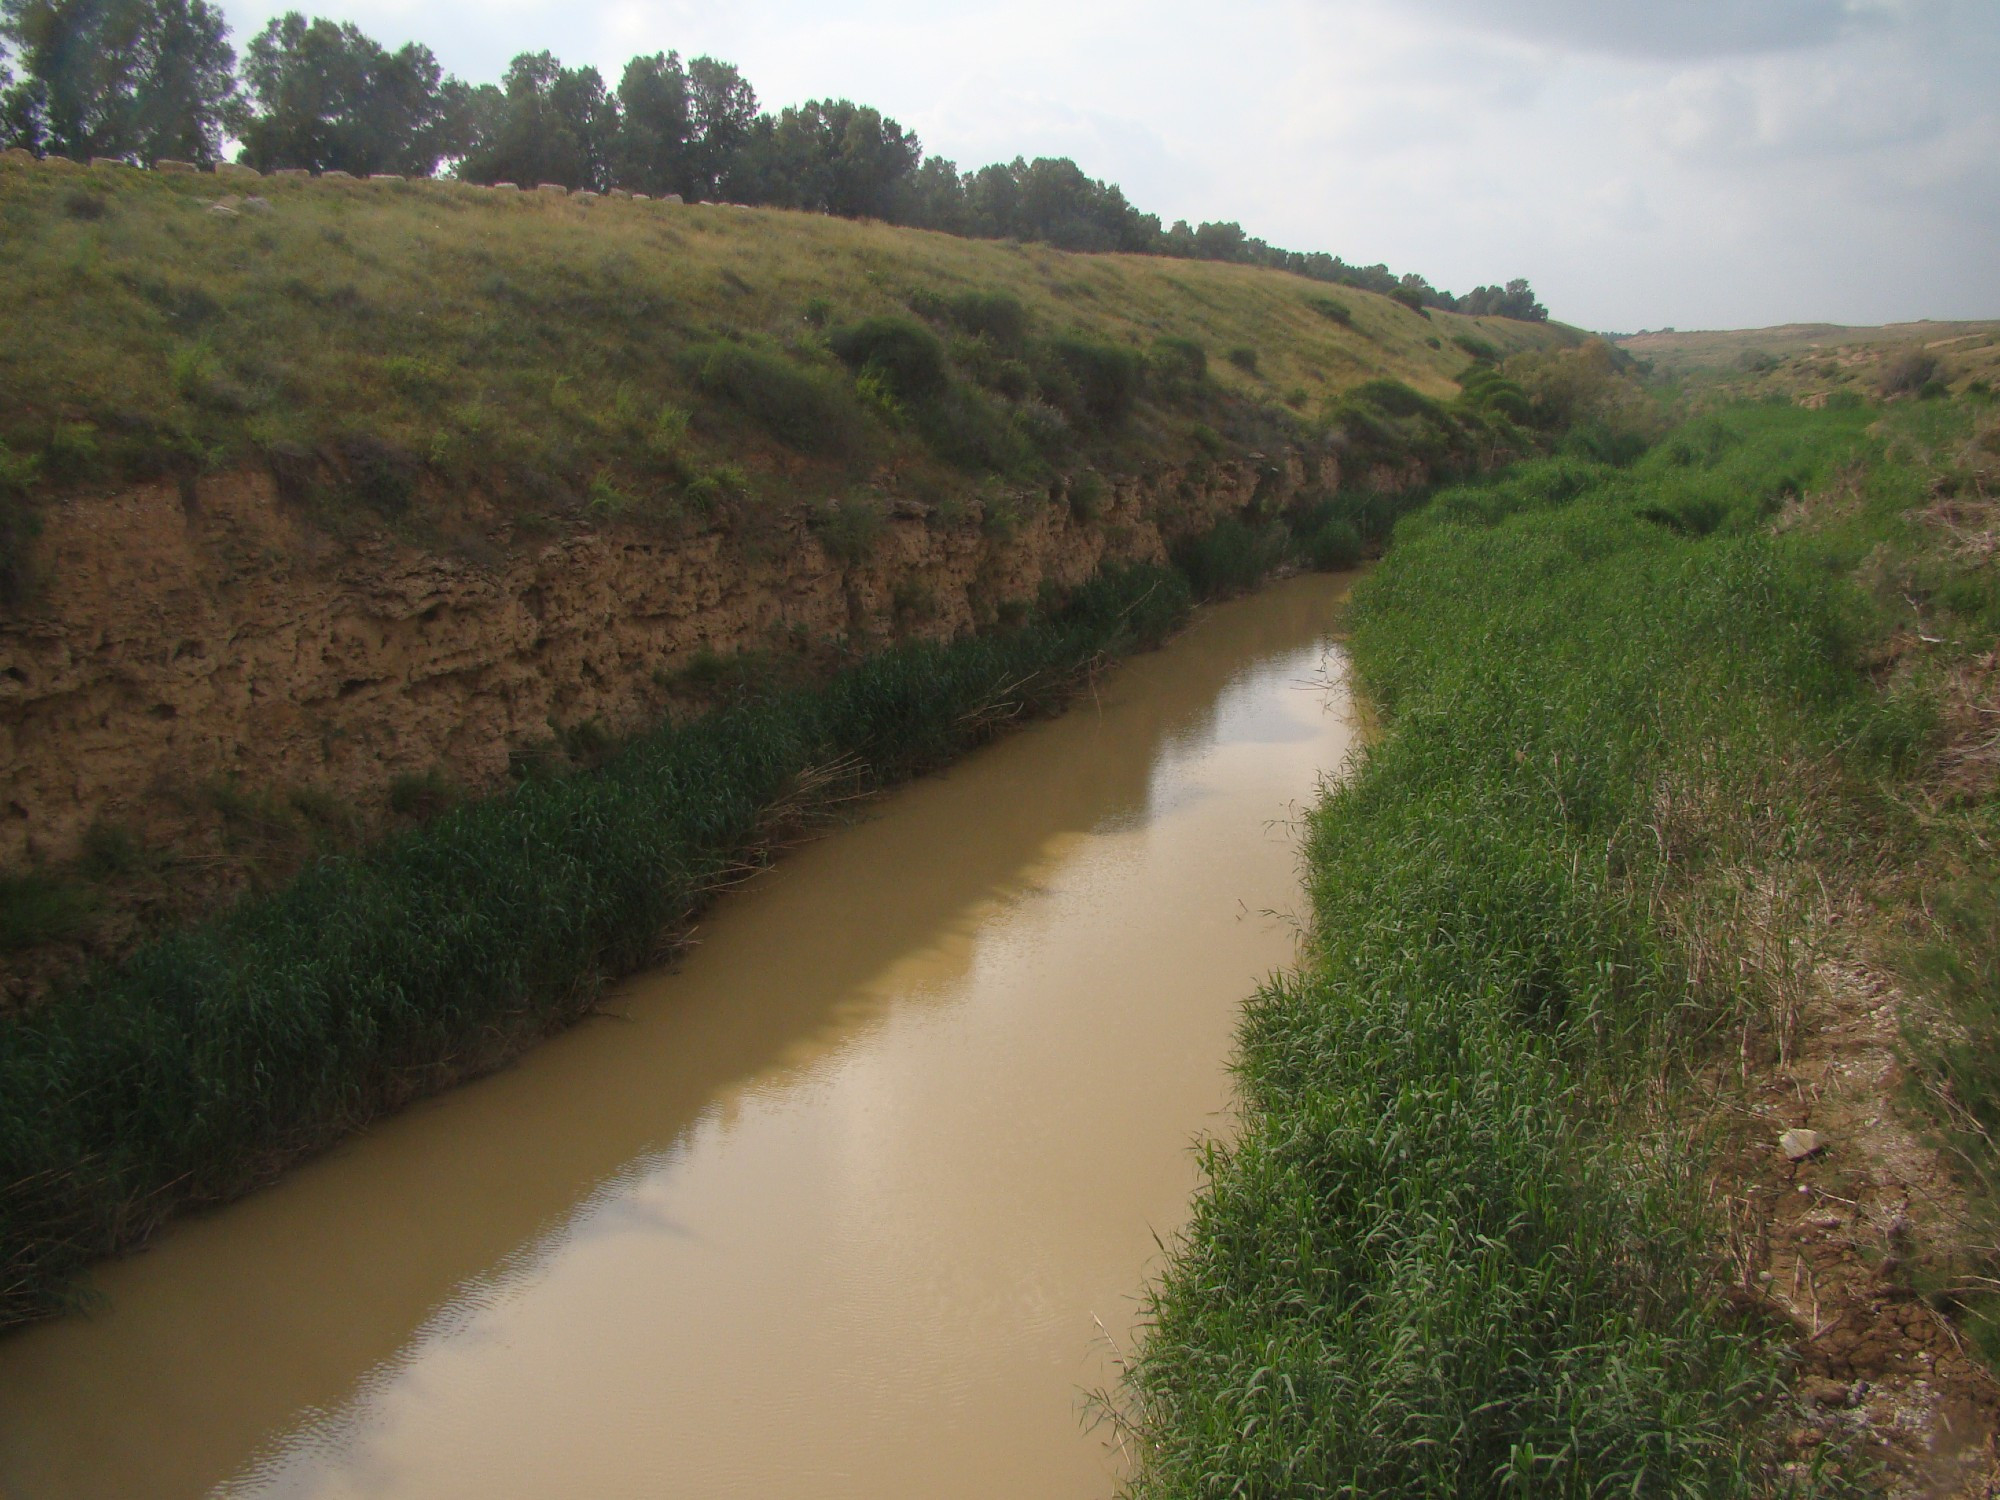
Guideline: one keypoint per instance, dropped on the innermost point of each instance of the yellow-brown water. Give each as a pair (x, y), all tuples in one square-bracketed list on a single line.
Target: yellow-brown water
[(857, 1202)]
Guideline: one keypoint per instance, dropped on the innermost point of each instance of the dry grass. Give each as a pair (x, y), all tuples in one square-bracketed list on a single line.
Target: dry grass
[(414, 341)]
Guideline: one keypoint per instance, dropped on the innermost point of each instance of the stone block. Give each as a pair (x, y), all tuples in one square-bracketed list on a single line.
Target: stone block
[(168, 164), (555, 189)]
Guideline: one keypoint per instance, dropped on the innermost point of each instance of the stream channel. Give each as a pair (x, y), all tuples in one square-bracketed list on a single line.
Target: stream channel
[(859, 1199)]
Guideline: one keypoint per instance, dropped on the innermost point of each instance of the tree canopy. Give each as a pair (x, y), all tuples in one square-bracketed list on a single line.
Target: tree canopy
[(141, 79), (133, 79)]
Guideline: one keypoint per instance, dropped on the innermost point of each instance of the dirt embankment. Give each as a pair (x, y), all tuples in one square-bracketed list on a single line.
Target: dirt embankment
[(174, 648)]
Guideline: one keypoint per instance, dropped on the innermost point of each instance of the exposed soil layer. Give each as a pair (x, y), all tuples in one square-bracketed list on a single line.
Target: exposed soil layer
[(1827, 1242), (195, 676)]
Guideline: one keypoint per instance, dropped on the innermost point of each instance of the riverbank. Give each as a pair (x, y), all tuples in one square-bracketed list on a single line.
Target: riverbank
[(1496, 1219), (215, 1055), (803, 1213)]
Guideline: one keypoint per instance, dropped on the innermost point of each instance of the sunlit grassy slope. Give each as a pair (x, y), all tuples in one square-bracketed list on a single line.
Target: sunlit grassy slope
[(523, 345)]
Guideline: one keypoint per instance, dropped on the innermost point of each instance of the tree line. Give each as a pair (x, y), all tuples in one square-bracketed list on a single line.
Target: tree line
[(144, 79)]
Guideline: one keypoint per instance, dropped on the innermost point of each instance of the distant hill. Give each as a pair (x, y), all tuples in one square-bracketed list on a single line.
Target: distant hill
[(1823, 353)]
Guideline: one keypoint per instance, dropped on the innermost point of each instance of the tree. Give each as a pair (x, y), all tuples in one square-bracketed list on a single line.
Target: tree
[(327, 97), (1515, 300), (933, 197), (546, 123), (834, 157), (722, 113), (136, 79), (651, 152), (1220, 242)]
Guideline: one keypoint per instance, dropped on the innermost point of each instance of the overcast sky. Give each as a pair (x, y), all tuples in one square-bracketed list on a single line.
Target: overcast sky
[(1694, 163)]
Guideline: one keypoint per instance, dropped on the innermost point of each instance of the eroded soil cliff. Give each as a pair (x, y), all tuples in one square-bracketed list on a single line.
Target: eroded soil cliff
[(174, 648)]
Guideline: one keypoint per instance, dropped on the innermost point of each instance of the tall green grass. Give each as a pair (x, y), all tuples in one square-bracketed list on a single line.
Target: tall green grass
[(1459, 1248), (216, 1054)]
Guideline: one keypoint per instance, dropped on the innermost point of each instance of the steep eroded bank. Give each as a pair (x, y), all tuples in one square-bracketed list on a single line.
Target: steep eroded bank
[(177, 646)]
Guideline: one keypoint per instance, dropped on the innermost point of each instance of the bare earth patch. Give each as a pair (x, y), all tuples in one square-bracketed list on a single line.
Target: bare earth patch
[(1825, 1242)]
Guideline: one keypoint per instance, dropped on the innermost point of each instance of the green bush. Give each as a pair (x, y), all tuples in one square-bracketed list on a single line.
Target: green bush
[(1230, 558), (1332, 310), (1244, 358), (999, 317), (907, 355), (1086, 497), (1095, 381), (1178, 365), (1336, 545), (971, 430), (799, 407), (38, 908), (849, 529), (19, 525)]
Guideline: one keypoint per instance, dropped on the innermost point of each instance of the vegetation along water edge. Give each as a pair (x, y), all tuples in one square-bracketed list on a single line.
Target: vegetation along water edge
[(1673, 752)]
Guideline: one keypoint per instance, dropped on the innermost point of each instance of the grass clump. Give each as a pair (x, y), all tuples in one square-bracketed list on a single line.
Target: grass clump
[(799, 407), (1461, 1245)]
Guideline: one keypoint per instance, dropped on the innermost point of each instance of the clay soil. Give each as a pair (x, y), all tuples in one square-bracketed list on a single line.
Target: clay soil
[(1829, 1245)]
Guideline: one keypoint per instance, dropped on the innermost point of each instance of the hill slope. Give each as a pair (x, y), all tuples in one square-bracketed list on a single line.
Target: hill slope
[(533, 345)]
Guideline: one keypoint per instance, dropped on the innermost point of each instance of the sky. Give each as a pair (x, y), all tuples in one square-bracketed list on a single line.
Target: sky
[(1645, 163)]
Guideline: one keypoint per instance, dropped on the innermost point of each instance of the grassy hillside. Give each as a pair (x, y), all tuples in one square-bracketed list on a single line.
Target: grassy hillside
[(382, 345)]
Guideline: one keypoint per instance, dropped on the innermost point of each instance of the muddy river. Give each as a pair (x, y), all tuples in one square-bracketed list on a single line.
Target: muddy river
[(859, 1200)]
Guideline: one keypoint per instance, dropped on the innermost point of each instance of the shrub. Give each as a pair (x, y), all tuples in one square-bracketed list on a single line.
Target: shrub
[(1477, 348), (1908, 374), (968, 428), (1411, 299), (848, 529), (904, 354), (997, 316), (1332, 310), (37, 908), (19, 525), (377, 473), (422, 795), (1102, 381), (1178, 364), (1086, 496), (1244, 358), (800, 408), (1336, 545), (1229, 558)]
